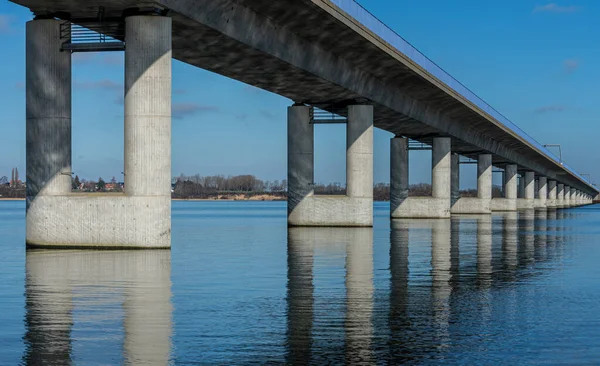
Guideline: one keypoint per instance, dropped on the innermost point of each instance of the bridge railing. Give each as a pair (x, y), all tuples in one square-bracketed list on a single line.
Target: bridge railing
[(363, 16)]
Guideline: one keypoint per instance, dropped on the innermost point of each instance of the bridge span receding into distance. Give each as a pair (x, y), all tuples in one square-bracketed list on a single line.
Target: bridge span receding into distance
[(327, 54)]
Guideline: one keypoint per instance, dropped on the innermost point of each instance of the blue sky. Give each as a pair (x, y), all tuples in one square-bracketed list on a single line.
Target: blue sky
[(534, 61)]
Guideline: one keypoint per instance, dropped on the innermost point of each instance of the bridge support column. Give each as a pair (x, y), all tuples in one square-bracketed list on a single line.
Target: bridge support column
[(567, 199), (521, 192), (48, 99), (356, 207), (140, 218), (509, 202), (437, 206), (542, 193), (528, 201), (551, 203), (482, 204), (560, 195)]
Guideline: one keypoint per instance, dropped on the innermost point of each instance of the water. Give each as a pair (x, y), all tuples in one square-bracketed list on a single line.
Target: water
[(239, 288)]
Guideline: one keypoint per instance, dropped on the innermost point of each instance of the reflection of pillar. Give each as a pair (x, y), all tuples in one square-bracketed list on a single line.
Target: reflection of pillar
[(541, 230), (48, 307), (399, 239), (48, 104), (300, 155), (551, 232), (441, 288), (526, 240), (139, 280), (399, 320), (510, 240), (484, 249), (148, 308), (359, 296), (300, 290)]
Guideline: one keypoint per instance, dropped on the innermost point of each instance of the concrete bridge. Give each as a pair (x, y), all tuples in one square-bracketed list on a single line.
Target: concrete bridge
[(328, 54)]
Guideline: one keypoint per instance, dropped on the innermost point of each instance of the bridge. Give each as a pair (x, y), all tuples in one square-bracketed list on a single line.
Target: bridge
[(324, 55)]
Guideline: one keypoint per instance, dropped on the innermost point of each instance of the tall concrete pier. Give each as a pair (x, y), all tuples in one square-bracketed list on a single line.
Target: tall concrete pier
[(139, 218), (436, 206), (509, 202), (482, 204), (356, 207)]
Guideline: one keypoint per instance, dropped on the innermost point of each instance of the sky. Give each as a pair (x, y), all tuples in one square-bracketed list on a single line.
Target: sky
[(534, 61)]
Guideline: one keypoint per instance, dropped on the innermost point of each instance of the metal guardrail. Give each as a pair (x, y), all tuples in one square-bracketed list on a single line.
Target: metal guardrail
[(320, 116), (417, 145), (364, 17), (93, 36)]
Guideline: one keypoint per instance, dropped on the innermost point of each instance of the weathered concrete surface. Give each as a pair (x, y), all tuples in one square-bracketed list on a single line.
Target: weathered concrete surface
[(437, 206), (141, 218), (528, 202), (521, 191), (472, 205), (509, 202), (307, 209), (504, 204), (542, 193), (560, 195), (148, 106), (567, 197), (48, 104), (454, 179), (106, 221), (551, 202)]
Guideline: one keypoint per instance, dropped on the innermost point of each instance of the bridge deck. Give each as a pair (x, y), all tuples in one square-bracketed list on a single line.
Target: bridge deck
[(325, 52)]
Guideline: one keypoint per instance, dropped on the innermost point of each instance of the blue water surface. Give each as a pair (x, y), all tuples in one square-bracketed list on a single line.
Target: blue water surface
[(239, 287)]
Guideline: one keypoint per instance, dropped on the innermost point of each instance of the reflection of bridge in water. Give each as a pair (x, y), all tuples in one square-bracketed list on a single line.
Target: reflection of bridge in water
[(507, 248), (104, 297)]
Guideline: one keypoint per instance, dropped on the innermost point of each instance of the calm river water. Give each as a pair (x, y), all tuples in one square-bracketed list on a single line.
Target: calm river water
[(239, 288)]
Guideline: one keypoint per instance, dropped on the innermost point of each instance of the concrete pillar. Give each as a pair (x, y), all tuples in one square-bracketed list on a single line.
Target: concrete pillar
[(455, 179), (359, 151), (560, 195), (567, 199), (529, 185), (521, 193), (542, 191), (441, 176), (510, 181), (551, 193), (148, 106), (484, 176), (398, 172), (48, 111), (300, 155), (573, 197)]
